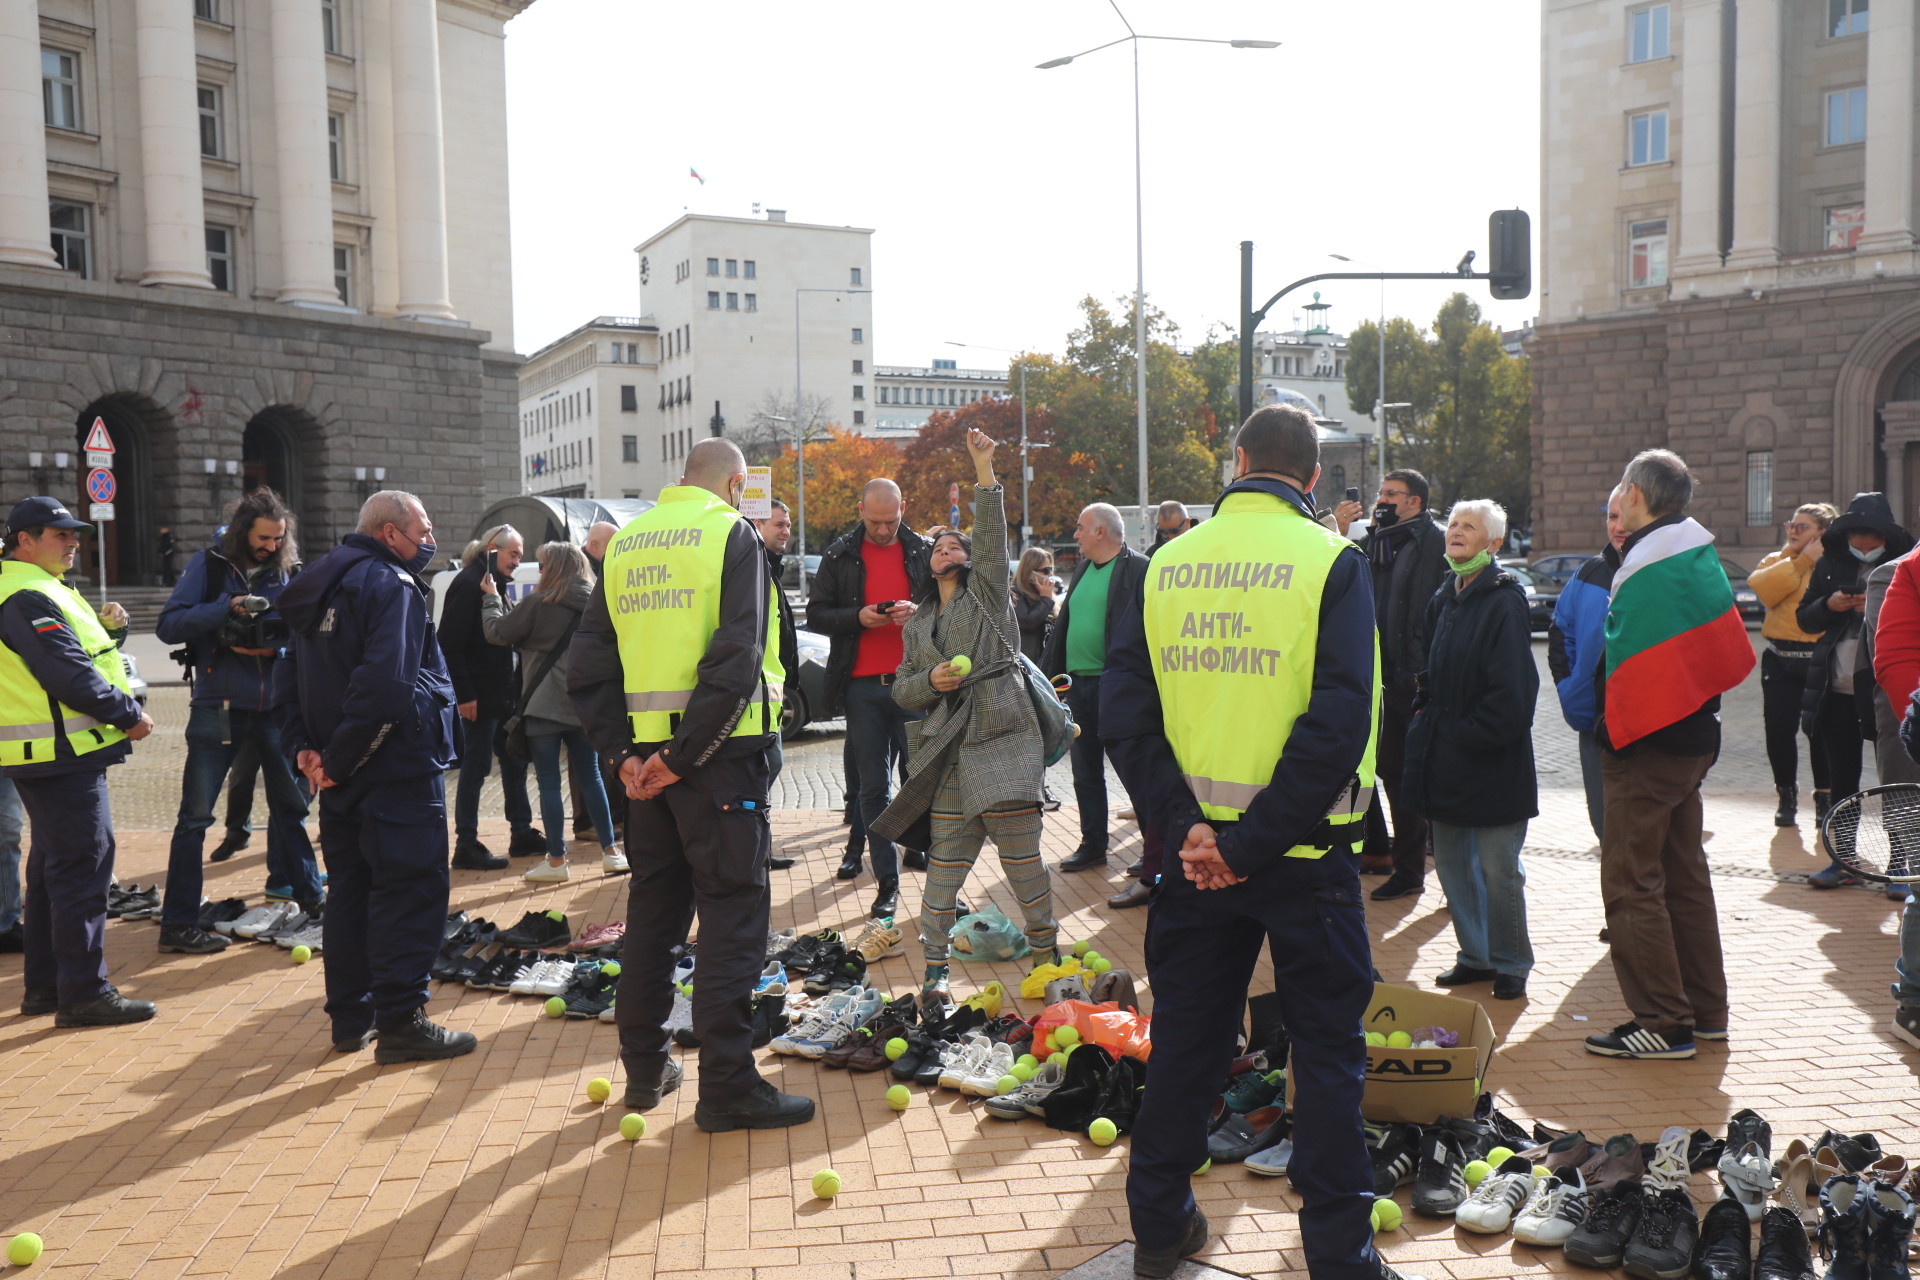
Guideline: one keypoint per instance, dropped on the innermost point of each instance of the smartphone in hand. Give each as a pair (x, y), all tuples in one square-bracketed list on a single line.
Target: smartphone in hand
[(1353, 494)]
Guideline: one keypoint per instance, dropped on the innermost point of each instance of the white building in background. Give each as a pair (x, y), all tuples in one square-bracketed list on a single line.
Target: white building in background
[(1310, 361), (583, 402), (906, 394)]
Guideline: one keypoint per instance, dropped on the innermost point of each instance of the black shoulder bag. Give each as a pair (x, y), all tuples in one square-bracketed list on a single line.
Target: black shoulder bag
[(516, 728)]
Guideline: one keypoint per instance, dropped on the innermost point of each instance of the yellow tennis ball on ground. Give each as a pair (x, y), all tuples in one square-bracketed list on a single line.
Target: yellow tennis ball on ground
[(898, 1098), (1476, 1172), (1026, 1060), (633, 1126), (1373, 1219), (826, 1184), (1020, 1071), (1541, 1171), (1386, 1215), (555, 1006), (1082, 947), (1090, 959), (599, 1088), (1103, 1131), (557, 916), (961, 664), (1399, 1040), (895, 1047), (1203, 1168), (1006, 1084), (1057, 1058), (1375, 1039), (1100, 964), (611, 968), (302, 954), (1499, 1156), (24, 1248), (1065, 1037)]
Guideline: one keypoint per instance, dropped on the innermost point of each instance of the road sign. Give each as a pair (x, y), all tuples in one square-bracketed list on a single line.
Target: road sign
[(953, 494), (100, 486), (95, 458), (100, 511), (97, 439)]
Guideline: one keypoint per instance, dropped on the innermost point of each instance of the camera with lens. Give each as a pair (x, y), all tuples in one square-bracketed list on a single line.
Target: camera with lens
[(255, 630)]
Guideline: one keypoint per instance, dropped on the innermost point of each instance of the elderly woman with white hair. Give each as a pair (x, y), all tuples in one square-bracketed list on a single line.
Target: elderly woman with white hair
[(1469, 762)]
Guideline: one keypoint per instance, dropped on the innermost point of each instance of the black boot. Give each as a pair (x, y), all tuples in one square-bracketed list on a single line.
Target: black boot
[(38, 1002), (1156, 1264), (852, 859), (419, 1040), (1822, 801), (235, 841), (471, 855), (762, 1107), (913, 859), (645, 1096), (108, 1009), (527, 843), (1785, 815), (1844, 1226), (888, 901)]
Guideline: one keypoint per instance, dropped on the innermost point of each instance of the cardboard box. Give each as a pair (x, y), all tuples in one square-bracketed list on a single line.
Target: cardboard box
[(1418, 1086)]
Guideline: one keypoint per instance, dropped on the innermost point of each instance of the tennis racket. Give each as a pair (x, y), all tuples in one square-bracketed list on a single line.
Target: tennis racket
[(1876, 833)]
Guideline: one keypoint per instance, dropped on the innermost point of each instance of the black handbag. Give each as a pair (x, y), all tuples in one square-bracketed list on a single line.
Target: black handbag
[(517, 745)]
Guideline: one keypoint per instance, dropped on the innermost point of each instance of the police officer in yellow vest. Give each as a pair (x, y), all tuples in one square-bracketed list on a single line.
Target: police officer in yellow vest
[(65, 715), (1239, 707), (675, 673)]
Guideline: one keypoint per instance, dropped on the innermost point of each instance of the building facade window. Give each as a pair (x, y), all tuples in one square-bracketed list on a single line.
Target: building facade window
[(330, 25), (1760, 489), (1843, 225), (1649, 34), (1846, 117), (72, 236), (208, 9), (1647, 254), (337, 148), (859, 391), (220, 257), (209, 99), (855, 280), (713, 301), (629, 399), (733, 302), (750, 269), (1337, 479), (859, 417), (1647, 138), (733, 266), (753, 302), (629, 446), (713, 266), (859, 335), (633, 353), (616, 353), (1846, 17), (859, 366), (60, 88), (343, 273)]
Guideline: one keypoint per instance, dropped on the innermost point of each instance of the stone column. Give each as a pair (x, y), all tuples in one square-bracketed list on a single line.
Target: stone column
[(25, 239), (1700, 116), (419, 162), (300, 132), (170, 145), (1890, 106), (1756, 137)]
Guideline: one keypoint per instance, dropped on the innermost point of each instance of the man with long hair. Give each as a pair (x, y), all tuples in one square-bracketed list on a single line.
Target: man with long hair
[(222, 610)]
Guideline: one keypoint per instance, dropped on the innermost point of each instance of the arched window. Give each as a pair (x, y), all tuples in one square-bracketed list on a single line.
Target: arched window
[(1337, 475)]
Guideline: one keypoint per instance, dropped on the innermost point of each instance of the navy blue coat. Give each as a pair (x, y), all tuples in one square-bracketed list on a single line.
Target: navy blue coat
[(190, 618), (364, 683)]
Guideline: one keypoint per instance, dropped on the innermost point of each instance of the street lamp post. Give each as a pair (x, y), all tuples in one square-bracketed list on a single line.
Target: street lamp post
[(800, 435), (1026, 466), (1139, 226)]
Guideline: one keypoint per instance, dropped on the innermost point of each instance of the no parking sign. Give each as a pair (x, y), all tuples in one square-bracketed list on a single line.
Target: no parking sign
[(100, 485)]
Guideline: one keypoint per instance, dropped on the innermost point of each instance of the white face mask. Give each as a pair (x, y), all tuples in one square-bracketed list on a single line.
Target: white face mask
[(1868, 556)]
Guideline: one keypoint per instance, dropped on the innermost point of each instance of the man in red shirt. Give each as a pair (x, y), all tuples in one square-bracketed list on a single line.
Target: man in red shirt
[(862, 596)]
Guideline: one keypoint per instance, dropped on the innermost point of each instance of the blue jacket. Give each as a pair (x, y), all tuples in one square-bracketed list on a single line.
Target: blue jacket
[(1577, 640), (363, 682), (219, 674), (1321, 755)]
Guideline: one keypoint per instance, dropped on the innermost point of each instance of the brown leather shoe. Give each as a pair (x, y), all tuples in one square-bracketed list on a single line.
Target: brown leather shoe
[(1136, 894), (870, 1051)]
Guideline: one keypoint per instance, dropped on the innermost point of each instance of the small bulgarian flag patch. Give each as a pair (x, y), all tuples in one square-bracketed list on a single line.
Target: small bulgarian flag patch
[(1674, 635), (48, 624)]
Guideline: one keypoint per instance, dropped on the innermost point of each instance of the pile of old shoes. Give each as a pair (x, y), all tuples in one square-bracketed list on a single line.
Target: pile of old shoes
[(1865, 1228), (1803, 1170)]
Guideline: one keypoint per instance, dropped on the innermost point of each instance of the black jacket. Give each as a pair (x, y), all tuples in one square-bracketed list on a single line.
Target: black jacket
[(1035, 614), (1694, 734), (1470, 748), (789, 629), (481, 672), (838, 595), (1408, 561), (196, 615), (1838, 569), (1123, 594)]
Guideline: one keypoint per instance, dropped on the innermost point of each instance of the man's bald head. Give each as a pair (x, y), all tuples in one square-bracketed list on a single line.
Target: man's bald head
[(881, 510), (716, 465), (598, 537)]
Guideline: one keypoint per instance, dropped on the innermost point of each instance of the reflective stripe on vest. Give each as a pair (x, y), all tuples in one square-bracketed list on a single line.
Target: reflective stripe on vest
[(1232, 612), (662, 586), (32, 724)]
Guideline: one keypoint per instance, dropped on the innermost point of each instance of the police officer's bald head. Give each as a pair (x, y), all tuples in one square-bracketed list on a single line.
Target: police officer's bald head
[(716, 465), (1279, 440)]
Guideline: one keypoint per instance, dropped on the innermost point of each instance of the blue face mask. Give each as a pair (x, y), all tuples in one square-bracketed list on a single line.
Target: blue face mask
[(423, 553), (1868, 556)]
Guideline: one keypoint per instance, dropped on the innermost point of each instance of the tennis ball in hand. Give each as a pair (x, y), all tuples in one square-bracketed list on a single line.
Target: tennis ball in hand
[(302, 954), (1102, 1131), (1499, 1156), (24, 1249), (1399, 1040), (895, 1047), (555, 1006), (1375, 1039), (1386, 1215), (898, 1098), (599, 1088), (1476, 1172), (1066, 1037), (633, 1126), (1006, 1084), (826, 1184), (1082, 947), (961, 664)]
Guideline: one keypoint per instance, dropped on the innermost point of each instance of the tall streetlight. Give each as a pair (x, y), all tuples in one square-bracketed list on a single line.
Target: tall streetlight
[(1026, 469), (1139, 226), (800, 434)]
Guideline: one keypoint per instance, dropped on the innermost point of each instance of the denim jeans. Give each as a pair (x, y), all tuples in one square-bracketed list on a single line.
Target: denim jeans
[(13, 818), (211, 747), (1487, 894), (485, 740), (1590, 780), (585, 768), (240, 781), (1089, 763), (876, 727)]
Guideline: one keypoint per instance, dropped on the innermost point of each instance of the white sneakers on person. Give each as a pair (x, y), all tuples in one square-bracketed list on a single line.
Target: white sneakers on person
[(544, 872), (613, 862)]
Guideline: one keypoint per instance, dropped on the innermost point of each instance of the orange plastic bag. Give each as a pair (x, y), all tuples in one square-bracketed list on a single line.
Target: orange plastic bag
[(1121, 1032)]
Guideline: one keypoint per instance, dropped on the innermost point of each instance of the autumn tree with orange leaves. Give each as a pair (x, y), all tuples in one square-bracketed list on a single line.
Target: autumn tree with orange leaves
[(938, 457), (838, 468)]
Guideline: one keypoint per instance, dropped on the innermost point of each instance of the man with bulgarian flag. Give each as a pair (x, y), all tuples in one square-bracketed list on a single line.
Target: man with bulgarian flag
[(1674, 643)]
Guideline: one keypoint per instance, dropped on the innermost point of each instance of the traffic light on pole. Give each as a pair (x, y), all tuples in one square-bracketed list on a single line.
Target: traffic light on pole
[(1509, 254)]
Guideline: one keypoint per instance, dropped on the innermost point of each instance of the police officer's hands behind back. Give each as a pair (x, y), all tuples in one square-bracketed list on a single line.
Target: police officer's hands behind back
[(645, 781), (313, 765), (1201, 855), (141, 729)]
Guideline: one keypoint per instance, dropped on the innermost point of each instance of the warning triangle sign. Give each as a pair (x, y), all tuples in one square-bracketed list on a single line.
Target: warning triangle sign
[(98, 441)]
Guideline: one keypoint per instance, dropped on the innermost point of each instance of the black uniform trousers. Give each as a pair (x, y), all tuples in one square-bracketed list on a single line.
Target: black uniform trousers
[(385, 844), (1201, 949), (700, 847), (70, 865), (1408, 845)]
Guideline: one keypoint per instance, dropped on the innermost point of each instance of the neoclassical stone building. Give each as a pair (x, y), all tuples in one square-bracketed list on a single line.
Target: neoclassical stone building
[(1727, 258), (267, 242)]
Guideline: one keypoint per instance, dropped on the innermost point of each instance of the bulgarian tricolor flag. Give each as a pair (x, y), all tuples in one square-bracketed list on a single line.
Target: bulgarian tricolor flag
[(1674, 636)]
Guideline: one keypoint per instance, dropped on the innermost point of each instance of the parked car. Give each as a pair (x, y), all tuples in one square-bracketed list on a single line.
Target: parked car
[(1561, 568), (806, 699), (790, 570), (136, 683), (1542, 592), (1744, 599)]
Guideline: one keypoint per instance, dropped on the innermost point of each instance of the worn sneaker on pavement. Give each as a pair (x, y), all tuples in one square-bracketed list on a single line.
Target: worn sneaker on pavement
[(1273, 1161), (294, 923), (1255, 1090), (984, 1080), (589, 999), (1440, 1183), (544, 872), (1025, 1101), (613, 862), (1492, 1205), (189, 939), (1395, 1151), (957, 1065), (815, 1025), (538, 931), (1557, 1206), (260, 919), (227, 909), (1631, 1040), (865, 1003), (1661, 1247), (1601, 1240), (312, 937), (881, 940)]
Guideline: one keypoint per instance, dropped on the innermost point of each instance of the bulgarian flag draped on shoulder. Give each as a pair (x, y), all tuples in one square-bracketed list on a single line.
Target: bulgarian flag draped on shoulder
[(1674, 636)]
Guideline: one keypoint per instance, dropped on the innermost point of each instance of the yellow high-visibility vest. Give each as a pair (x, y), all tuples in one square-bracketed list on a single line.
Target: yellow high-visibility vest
[(31, 721)]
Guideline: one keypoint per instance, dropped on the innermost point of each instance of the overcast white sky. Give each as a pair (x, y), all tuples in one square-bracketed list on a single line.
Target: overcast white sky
[(999, 194)]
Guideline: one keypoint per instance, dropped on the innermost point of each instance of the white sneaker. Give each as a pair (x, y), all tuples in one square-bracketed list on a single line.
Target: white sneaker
[(606, 1014), (544, 872), (966, 1061), (556, 980), (984, 1082), (818, 1019), (1490, 1209), (1556, 1208), (1027, 1099), (612, 861), (681, 1015), (773, 981), (309, 937), (1273, 1161), (779, 940), (865, 1004), (248, 926)]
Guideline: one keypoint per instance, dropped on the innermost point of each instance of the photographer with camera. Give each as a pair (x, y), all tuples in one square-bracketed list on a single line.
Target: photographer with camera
[(222, 611)]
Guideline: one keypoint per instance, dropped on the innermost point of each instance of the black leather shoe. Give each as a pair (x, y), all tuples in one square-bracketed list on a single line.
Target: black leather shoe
[(1135, 867), (1157, 1264), (1398, 886), (526, 843), (780, 864), (762, 1107), (191, 940), (1788, 812), (108, 1009), (38, 1002), (1460, 975), (354, 1044), (234, 843), (1137, 894), (471, 855), (1509, 987), (642, 1096), (851, 860), (888, 901), (1083, 859), (1726, 1243), (913, 860), (419, 1040)]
